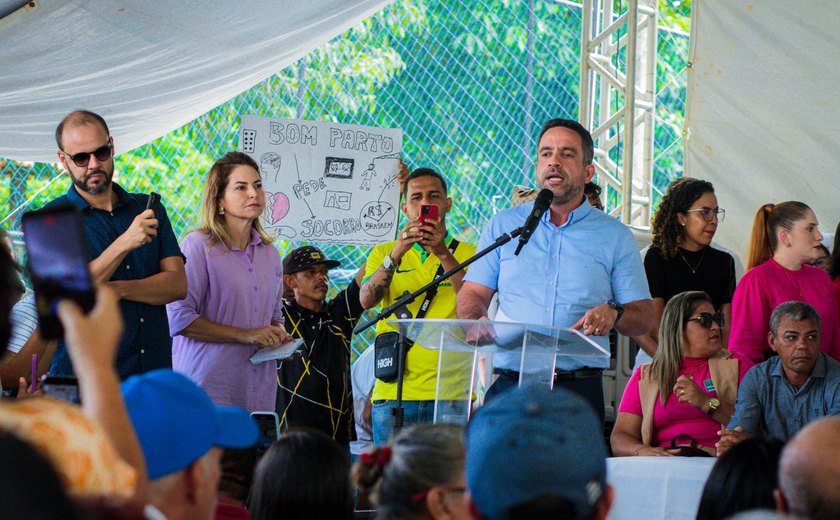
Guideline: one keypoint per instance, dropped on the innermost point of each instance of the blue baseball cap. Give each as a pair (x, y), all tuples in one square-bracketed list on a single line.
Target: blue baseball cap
[(177, 423), (531, 442)]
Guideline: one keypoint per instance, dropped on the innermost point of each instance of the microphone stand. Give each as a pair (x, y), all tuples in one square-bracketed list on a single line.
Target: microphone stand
[(400, 308)]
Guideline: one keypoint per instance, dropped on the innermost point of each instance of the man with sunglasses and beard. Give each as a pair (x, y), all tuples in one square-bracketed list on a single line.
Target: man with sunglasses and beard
[(133, 249), (782, 395)]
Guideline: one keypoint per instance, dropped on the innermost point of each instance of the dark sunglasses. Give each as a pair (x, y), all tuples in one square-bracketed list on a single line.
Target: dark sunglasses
[(706, 319), (81, 159)]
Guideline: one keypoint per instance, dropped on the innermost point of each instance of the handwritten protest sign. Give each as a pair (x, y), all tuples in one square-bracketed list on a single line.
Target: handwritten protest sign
[(326, 182)]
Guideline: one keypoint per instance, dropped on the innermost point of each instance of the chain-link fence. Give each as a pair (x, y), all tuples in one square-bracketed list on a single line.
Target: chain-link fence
[(468, 81)]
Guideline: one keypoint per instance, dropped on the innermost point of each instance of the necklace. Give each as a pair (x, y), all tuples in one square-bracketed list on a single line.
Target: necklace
[(693, 268)]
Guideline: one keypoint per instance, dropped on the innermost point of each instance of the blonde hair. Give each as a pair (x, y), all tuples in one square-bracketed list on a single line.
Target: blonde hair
[(212, 222), (669, 353)]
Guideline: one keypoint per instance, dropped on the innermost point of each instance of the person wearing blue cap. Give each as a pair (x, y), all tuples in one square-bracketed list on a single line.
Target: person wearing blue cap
[(181, 432), (537, 453)]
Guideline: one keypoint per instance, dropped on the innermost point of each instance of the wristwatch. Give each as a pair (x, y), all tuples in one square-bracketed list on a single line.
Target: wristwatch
[(714, 404), (388, 264), (617, 306)]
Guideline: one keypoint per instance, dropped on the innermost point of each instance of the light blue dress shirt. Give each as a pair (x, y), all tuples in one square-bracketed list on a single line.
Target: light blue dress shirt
[(562, 272)]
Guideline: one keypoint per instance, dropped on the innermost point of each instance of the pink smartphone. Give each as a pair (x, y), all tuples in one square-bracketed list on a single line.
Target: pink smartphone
[(428, 211)]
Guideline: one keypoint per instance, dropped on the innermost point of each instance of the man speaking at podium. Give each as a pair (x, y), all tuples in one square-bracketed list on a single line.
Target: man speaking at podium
[(580, 267)]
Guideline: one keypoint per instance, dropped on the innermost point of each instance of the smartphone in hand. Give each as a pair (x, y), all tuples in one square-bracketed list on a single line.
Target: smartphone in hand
[(65, 388), (57, 258), (268, 424), (153, 202), (428, 212)]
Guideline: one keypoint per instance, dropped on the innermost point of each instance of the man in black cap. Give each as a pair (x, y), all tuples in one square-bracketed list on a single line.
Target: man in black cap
[(314, 389)]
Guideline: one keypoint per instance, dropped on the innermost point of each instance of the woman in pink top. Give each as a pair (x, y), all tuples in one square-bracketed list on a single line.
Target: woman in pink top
[(785, 238), (688, 389), (834, 268), (234, 301)]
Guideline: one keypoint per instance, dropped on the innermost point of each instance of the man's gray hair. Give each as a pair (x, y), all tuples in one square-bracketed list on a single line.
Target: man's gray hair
[(796, 311)]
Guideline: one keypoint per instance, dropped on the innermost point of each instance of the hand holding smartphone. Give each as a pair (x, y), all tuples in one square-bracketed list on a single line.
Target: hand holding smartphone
[(153, 202), (428, 212), (57, 258), (65, 388), (268, 424)]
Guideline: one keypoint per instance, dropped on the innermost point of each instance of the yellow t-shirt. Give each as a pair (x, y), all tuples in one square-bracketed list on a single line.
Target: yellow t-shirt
[(416, 270)]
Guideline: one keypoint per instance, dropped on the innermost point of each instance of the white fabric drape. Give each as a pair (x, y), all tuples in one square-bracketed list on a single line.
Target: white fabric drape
[(762, 110), (147, 67)]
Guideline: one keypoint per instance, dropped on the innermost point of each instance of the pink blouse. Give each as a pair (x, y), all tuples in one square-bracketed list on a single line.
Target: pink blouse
[(675, 418), (766, 286)]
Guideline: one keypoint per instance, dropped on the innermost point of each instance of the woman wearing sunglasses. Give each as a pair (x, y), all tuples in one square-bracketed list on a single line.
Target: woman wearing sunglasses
[(688, 389), (419, 475), (681, 257), (785, 239)]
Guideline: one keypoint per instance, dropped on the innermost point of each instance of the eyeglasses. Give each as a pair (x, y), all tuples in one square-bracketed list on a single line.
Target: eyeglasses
[(81, 159), (708, 213), (706, 319), (418, 497)]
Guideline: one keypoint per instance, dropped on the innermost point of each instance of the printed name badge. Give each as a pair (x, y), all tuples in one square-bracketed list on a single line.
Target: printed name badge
[(710, 387)]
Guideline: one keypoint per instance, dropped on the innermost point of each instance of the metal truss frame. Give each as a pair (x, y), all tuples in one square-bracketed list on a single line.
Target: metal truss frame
[(618, 98)]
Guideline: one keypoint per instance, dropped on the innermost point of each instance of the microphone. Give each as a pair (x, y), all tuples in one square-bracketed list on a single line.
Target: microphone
[(540, 207)]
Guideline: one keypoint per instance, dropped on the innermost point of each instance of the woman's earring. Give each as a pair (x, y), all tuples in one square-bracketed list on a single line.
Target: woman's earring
[(221, 210)]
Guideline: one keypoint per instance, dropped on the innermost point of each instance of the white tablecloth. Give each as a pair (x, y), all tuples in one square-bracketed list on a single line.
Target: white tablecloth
[(653, 488)]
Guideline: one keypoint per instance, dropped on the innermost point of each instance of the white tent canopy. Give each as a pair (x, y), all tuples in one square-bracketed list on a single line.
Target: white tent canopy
[(147, 67), (761, 118), (762, 115)]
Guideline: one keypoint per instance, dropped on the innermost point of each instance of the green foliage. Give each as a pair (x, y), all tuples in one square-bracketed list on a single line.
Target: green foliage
[(469, 82)]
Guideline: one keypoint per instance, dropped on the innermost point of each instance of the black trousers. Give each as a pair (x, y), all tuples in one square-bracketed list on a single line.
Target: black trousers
[(590, 388)]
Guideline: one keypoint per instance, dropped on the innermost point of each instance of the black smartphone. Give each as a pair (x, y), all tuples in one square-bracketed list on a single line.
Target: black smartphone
[(65, 388), (269, 425), (153, 202), (57, 258)]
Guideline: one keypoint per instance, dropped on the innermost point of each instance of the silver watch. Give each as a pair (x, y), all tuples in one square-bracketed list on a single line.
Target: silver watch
[(388, 264)]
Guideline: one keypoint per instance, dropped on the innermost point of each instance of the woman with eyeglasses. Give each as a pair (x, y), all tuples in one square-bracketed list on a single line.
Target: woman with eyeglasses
[(785, 239), (681, 257), (689, 388), (420, 475)]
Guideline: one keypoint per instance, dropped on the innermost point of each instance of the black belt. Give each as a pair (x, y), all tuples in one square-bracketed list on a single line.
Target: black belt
[(559, 375)]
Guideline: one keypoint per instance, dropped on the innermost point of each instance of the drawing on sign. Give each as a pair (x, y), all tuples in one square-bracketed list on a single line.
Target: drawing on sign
[(314, 190), (270, 165), (249, 138), (300, 187), (376, 218), (338, 200), (339, 168), (278, 206), (276, 210), (367, 175)]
